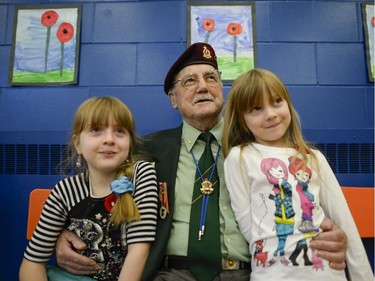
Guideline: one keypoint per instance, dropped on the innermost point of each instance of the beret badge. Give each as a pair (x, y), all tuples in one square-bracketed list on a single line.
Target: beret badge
[(206, 53)]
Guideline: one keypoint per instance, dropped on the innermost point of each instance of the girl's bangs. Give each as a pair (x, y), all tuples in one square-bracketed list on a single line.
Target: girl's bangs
[(253, 95), (99, 114)]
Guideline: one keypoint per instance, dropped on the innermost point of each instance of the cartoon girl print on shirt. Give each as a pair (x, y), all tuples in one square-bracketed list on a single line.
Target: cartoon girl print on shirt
[(303, 175), (277, 174)]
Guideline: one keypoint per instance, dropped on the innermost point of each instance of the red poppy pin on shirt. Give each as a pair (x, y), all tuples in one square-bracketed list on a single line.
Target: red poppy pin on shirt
[(110, 201)]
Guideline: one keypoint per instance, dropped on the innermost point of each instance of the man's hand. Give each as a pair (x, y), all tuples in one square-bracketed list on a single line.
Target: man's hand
[(69, 259), (331, 244)]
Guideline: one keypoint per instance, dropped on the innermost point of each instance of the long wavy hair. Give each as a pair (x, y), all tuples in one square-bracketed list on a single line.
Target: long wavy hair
[(247, 92), (97, 111)]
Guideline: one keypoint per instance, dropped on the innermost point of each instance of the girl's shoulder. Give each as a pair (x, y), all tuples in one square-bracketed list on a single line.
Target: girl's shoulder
[(317, 152), (142, 167), (144, 177), (69, 189), (78, 181), (320, 157), (239, 152), (143, 164), (251, 148), (234, 152)]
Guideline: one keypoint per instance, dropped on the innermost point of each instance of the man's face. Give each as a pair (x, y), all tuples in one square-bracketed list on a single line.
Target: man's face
[(198, 94)]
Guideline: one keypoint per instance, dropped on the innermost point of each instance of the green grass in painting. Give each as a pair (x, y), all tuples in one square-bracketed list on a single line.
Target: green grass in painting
[(231, 69), (49, 77)]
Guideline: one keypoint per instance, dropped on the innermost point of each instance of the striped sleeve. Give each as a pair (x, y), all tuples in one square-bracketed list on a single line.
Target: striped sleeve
[(63, 197), (146, 199)]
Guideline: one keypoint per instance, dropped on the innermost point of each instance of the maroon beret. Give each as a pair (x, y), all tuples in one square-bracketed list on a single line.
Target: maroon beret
[(197, 53)]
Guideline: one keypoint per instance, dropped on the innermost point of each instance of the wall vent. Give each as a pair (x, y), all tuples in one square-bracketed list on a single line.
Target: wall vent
[(31, 159), (349, 158), (43, 159)]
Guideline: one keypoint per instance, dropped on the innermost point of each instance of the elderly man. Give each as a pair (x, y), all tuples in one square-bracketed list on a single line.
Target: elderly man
[(197, 235)]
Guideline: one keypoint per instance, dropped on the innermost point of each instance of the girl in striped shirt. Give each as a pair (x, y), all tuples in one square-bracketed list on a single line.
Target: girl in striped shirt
[(111, 204)]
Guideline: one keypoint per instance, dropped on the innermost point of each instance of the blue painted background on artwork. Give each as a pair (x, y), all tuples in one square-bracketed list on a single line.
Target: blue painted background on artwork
[(31, 41), (223, 15)]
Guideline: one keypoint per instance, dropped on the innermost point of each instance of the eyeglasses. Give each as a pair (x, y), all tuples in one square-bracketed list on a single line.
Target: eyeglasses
[(191, 80)]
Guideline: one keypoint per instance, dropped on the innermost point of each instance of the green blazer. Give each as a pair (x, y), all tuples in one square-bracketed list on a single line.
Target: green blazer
[(164, 150)]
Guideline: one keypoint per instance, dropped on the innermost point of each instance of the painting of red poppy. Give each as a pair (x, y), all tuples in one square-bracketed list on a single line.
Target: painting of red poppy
[(368, 20), (45, 46), (230, 29)]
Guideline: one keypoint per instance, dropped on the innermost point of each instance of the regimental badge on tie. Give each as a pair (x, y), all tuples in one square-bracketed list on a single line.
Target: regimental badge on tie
[(163, 198), (206, 188)]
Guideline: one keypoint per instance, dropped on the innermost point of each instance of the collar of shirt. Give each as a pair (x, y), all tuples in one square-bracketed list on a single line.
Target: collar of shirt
[(191, 134)]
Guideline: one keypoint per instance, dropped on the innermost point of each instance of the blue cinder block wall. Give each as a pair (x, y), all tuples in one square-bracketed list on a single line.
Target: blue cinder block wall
[(316, 47)]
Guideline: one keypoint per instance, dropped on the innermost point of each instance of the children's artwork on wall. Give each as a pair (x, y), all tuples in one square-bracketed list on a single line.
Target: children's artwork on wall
[(45, 46), (368, 19), (230, 29)]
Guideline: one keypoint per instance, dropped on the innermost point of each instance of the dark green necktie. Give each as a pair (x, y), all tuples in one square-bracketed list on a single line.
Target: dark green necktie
[(204, 255)]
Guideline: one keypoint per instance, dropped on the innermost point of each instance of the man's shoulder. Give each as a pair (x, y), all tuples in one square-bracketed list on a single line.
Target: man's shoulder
[(164, 134), (158, 143)]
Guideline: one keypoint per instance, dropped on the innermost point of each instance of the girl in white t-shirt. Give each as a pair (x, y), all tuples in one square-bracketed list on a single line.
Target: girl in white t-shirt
[(281, 188)]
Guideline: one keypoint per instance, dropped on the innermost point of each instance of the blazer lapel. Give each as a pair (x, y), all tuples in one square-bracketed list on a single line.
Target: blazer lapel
[(165, 147)]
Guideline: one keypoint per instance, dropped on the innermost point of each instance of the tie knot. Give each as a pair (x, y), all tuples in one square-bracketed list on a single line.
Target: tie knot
[(208, 137)]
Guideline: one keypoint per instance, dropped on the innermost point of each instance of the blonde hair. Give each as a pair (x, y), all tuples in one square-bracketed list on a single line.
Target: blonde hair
[(246, 92), (97, 111)]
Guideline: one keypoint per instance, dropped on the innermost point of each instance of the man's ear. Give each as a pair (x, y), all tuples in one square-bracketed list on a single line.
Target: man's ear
[(172, 97)]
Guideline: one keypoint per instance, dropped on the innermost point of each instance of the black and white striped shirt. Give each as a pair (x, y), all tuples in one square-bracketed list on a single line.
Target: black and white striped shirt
[(71, 206)]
